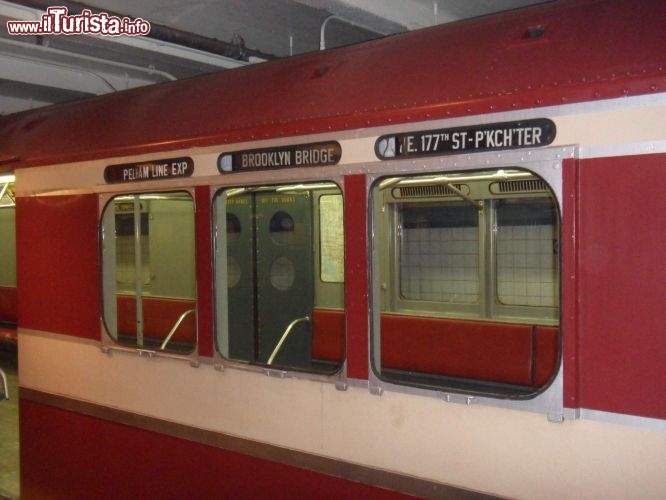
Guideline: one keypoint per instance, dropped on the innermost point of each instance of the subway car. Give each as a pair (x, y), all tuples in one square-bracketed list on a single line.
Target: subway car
[(429, 265)]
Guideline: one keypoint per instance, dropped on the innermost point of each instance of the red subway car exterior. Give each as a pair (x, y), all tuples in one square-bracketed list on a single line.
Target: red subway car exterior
[(428, 265)]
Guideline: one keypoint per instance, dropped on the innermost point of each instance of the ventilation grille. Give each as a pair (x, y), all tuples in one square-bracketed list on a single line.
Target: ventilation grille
[(525, 186), (429, 191)]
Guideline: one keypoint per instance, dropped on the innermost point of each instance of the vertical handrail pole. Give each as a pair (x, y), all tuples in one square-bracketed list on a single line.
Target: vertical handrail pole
[(138, 271)]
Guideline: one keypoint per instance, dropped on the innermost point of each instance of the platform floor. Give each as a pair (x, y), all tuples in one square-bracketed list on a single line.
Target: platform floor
[(9, 434)]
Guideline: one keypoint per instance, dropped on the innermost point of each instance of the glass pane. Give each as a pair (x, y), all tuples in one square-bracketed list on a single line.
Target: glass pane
[(126, 247), (273, 307), (8, 247), (527, 270), (439, 258), (149, 271), (331, 238)]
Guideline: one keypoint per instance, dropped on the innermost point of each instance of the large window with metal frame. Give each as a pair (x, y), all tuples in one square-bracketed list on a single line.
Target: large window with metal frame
[(279, 276), (7, 231), (148, 262), (7, 251), (466, 270)]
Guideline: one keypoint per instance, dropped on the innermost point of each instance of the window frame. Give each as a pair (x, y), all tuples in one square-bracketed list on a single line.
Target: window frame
[(108, 342), (546, 164)]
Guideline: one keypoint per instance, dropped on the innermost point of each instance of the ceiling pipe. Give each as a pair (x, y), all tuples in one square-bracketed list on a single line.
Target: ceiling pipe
[(322, 36), (163, 34)]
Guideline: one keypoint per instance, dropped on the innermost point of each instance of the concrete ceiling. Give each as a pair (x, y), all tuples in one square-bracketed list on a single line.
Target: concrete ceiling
[(188, 38)]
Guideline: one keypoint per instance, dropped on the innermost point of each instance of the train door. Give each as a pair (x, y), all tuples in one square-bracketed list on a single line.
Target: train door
[(284, 269), (240, 245), (279, 276), (269, 268)]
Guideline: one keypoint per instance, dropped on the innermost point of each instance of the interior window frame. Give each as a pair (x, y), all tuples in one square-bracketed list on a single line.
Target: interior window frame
[(398, 301), (512, 312)]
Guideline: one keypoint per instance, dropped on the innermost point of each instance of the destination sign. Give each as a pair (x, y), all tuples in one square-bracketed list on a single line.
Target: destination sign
[(149, 170), (302, 155), (493, 137)]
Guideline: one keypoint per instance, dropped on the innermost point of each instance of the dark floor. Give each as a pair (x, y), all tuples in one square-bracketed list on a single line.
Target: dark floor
[(9, 442)]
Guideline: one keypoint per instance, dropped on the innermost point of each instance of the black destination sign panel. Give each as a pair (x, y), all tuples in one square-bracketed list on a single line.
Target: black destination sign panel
[(302, 155), (149, 170), (493, 137)]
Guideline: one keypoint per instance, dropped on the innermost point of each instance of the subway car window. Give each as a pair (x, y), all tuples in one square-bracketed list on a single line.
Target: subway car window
[(466, 282), (279, 276), (7, 234), (149, 286)]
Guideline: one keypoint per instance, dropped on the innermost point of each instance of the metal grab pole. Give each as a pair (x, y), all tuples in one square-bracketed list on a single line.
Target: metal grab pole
[(175, 327), (4, 384), (285, 335)]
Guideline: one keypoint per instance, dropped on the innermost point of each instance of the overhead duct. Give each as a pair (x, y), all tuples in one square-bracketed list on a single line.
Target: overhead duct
[(161, 37)]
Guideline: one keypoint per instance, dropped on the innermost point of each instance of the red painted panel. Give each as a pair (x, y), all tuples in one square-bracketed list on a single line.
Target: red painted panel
[(58, 264), (622, 284), (204, 250), (70, 456), (356, 275), (8, 304), (328, 334), (590, 50)]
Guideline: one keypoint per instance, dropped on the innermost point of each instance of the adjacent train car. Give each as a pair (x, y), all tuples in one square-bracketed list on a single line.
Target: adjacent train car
[(429, 265)]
